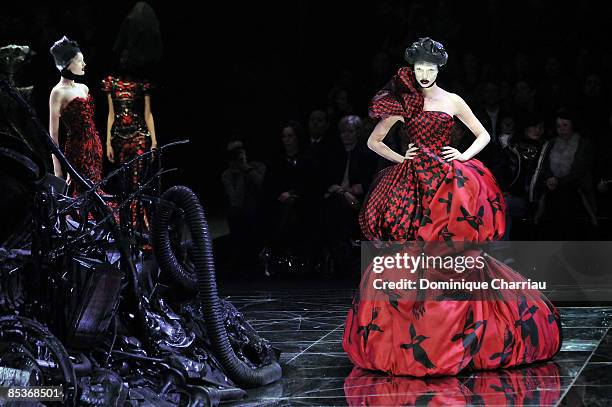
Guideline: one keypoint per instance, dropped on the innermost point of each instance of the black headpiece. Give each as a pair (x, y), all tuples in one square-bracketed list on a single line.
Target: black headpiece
[(427, 50), (63, 52)]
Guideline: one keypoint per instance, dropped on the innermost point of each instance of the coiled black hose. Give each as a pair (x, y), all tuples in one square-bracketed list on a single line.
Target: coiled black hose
[(184, 198), (164, 253)]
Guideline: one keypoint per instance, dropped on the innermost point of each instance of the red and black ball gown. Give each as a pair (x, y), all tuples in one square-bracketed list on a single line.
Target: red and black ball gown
[(431, 200)]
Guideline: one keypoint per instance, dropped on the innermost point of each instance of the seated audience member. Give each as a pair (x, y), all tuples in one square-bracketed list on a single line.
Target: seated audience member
[(348, 177), (491, 113), (291, 197), (604, 169), (564, 181), (506, 131), (243, 181), (524, 151)]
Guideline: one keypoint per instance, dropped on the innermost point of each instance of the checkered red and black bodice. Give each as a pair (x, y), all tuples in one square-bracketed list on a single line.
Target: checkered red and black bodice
[(427, 198)]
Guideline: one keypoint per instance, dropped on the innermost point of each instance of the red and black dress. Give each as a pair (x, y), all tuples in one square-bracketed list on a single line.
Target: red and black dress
[(129, 135), (83, 148), (409, 332)]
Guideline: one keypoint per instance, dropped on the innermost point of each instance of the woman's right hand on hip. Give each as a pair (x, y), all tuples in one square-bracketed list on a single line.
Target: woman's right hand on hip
[(411, 152)]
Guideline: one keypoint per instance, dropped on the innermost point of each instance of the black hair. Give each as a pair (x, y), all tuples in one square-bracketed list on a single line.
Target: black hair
[(319, 109), (531, 120), (565, 113), (427, 50), (232, 153), (350, 120), (297, 127)]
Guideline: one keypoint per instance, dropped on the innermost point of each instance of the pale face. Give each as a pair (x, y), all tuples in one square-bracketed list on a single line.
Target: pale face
[(426, 73), (592, 86), (317, 124), (77, 65), (565, 129), (348, 134), (535, 132), (289, 138), (507, 125)]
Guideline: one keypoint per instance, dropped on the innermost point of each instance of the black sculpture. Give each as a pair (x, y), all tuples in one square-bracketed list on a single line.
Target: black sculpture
[(84, 306)]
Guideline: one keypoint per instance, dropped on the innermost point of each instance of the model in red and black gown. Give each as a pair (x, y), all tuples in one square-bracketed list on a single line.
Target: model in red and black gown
[(83, 147), (131, 131), (436, 193), (71, 103)]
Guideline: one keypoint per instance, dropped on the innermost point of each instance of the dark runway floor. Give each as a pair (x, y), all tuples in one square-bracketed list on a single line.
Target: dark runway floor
[(305, 320)]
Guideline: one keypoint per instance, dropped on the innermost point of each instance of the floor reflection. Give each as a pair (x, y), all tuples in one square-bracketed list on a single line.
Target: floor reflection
[(529, 386), (306, 323)]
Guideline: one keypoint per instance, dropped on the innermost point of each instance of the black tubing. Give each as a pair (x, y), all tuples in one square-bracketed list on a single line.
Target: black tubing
[(184, 198), (168, 263)]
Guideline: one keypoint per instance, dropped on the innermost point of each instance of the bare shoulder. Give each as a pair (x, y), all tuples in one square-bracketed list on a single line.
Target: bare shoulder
[(459, 104), (84, 87), (58, 93), (456, 99), (453, 98)]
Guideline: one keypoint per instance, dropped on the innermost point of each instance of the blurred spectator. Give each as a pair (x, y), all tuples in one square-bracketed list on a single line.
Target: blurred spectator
[(339, 105), (506, 94), (490, 112), (524, 101), (471, 77), (564, 182), (381, 72), (604, 168), (522, 67), (290, 197), (507, 130), (525, 151), (493, 155), (349, 173), (348, 177), (319, 146), (593, 107), (242, 181), (556, 89), (318, 126)]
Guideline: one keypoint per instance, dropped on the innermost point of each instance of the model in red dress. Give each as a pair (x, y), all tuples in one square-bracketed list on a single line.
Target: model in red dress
[(83, 147), (437, 194), (71, 103), (131, 131)]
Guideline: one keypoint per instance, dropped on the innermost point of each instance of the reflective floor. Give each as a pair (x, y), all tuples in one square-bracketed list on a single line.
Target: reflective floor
[(305, 321)]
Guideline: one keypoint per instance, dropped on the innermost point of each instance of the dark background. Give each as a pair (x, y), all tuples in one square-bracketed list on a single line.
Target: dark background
[(235, 70)]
